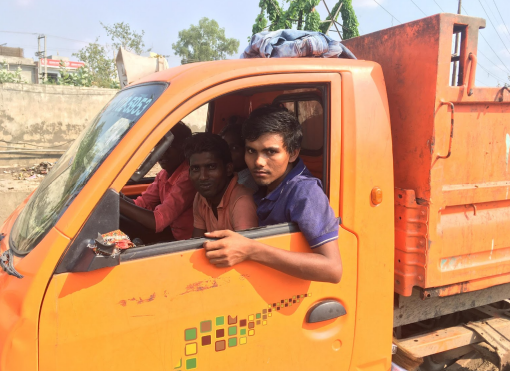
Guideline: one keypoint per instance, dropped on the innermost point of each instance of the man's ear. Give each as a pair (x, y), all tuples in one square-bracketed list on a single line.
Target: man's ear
[(230, 168), (294, 155)]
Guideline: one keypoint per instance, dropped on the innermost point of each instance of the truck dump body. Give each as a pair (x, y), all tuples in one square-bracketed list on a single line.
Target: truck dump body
[(451, 151)]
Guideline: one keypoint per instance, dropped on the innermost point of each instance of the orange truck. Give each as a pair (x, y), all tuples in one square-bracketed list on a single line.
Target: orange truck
[(417, 170)]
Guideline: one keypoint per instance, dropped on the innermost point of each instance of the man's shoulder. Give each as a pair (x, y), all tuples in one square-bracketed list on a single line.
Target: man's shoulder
[(305, 185), (240, 191)]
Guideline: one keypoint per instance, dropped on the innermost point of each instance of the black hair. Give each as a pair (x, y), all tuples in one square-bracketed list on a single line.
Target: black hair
[(276, 120), (207, 142), (234, 129), (181, 132)]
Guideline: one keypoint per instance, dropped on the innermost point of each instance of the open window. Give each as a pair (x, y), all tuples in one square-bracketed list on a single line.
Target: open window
[(307, 102), (457, 61)]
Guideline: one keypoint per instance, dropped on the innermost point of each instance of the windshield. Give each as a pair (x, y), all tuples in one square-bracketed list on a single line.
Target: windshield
[(78, 164)]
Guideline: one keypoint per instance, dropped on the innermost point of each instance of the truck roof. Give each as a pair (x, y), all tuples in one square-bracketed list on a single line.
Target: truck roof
[(245, 67)]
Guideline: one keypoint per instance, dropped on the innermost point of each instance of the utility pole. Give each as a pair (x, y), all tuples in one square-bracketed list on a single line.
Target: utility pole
[(40, 54), (45, 60), (456, 53)]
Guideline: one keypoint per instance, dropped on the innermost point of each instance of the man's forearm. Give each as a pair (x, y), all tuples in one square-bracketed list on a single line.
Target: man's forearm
[(308, 266), (141, 215)]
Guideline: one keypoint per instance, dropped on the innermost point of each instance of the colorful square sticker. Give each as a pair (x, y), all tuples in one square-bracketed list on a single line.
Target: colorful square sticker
[(205, 326), (190, 349), (190, 334), (191, 363)]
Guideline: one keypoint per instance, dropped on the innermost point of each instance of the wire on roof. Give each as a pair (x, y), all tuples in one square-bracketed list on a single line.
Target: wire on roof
[(483, 37), (387, 11), (504, 23), (419, 8), (490, 73), (439, 6), (490, 20)]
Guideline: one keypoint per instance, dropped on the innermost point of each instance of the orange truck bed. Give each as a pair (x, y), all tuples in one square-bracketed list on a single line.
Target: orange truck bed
[(451, 151)]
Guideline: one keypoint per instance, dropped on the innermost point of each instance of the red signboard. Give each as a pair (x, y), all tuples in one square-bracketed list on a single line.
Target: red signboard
[(56, 63)]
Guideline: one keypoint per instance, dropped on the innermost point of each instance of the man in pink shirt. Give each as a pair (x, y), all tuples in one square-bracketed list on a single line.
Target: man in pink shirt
[(164, 211), (221, 203)]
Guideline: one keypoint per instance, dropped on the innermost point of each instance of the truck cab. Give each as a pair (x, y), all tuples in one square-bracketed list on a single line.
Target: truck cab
[(163, 306)]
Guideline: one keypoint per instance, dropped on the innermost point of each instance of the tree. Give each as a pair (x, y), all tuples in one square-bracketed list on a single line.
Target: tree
[(10, 76), (122, 36), (205, 42), (99, 60), (349, 20), (300, 12), (302, 15), (99, 65)]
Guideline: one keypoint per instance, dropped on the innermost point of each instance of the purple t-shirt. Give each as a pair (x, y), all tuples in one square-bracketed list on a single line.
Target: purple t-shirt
[(299, 199)]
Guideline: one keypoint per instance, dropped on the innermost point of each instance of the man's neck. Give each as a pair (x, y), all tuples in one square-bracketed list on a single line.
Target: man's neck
[(271, 187), (214, 202)]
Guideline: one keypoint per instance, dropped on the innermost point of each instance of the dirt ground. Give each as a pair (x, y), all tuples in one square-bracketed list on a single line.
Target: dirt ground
[(17, 182)]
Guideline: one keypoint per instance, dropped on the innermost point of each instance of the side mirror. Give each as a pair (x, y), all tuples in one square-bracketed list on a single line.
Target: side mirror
[(105, 218)]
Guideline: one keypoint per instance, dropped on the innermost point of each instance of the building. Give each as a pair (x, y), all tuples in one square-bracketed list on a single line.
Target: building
[(14, 58), (31, 70), (51, 65)]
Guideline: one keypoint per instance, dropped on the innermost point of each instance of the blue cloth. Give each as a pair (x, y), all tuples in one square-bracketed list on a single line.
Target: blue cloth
[(299, 199), (293, 44)]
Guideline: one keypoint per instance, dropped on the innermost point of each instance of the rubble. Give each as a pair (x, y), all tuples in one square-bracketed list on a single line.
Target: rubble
[(32, 173)]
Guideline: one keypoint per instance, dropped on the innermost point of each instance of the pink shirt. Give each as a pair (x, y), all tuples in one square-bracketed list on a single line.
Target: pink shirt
[(236, 210), (171, 199)]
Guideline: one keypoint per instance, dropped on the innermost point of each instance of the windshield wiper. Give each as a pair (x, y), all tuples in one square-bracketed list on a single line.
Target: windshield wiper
[(6, 264)]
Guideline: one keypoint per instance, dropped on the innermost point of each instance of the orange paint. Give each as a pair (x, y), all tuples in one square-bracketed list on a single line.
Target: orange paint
[(449, 157), (436, 163)]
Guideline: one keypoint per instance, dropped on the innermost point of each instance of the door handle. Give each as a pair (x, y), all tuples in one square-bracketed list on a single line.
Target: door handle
[(325, 310)]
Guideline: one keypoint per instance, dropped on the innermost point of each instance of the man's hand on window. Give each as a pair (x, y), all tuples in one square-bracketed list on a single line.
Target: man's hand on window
[(229, 250)]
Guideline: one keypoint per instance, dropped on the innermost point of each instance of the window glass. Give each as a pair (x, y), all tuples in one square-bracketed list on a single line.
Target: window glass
[(311, 118), (196, 121), (79, 163)]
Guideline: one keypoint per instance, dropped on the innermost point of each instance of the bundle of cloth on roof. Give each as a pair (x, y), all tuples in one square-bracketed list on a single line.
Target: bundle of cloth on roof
[(294, 44)]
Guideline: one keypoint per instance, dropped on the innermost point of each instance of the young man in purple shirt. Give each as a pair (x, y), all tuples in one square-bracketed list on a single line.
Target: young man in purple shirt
[(288, 193)]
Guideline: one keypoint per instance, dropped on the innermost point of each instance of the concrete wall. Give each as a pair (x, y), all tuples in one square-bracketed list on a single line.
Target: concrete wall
[(197, 119), (44, 115)]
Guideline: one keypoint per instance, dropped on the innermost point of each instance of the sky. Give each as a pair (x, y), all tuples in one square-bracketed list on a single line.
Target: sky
[(69, 26)]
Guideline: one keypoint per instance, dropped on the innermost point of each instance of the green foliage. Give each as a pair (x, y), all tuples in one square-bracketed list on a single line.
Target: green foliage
[(100, 67), (204, 42), (122, 36), (324, 26), (81, 77), (349, 20), (302, 15), (10, 76)]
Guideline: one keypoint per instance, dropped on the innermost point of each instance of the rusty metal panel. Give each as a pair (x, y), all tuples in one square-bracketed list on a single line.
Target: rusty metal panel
[(411, 231), (419, 308), (451, 147)]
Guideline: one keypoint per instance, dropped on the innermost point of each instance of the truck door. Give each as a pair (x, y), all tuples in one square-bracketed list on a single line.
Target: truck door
[(164, 307)]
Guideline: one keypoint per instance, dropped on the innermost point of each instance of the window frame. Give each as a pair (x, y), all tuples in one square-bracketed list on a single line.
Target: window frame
[(320, 81)]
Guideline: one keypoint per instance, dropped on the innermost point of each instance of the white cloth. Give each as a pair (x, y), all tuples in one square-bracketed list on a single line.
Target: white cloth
[(246, 179)]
